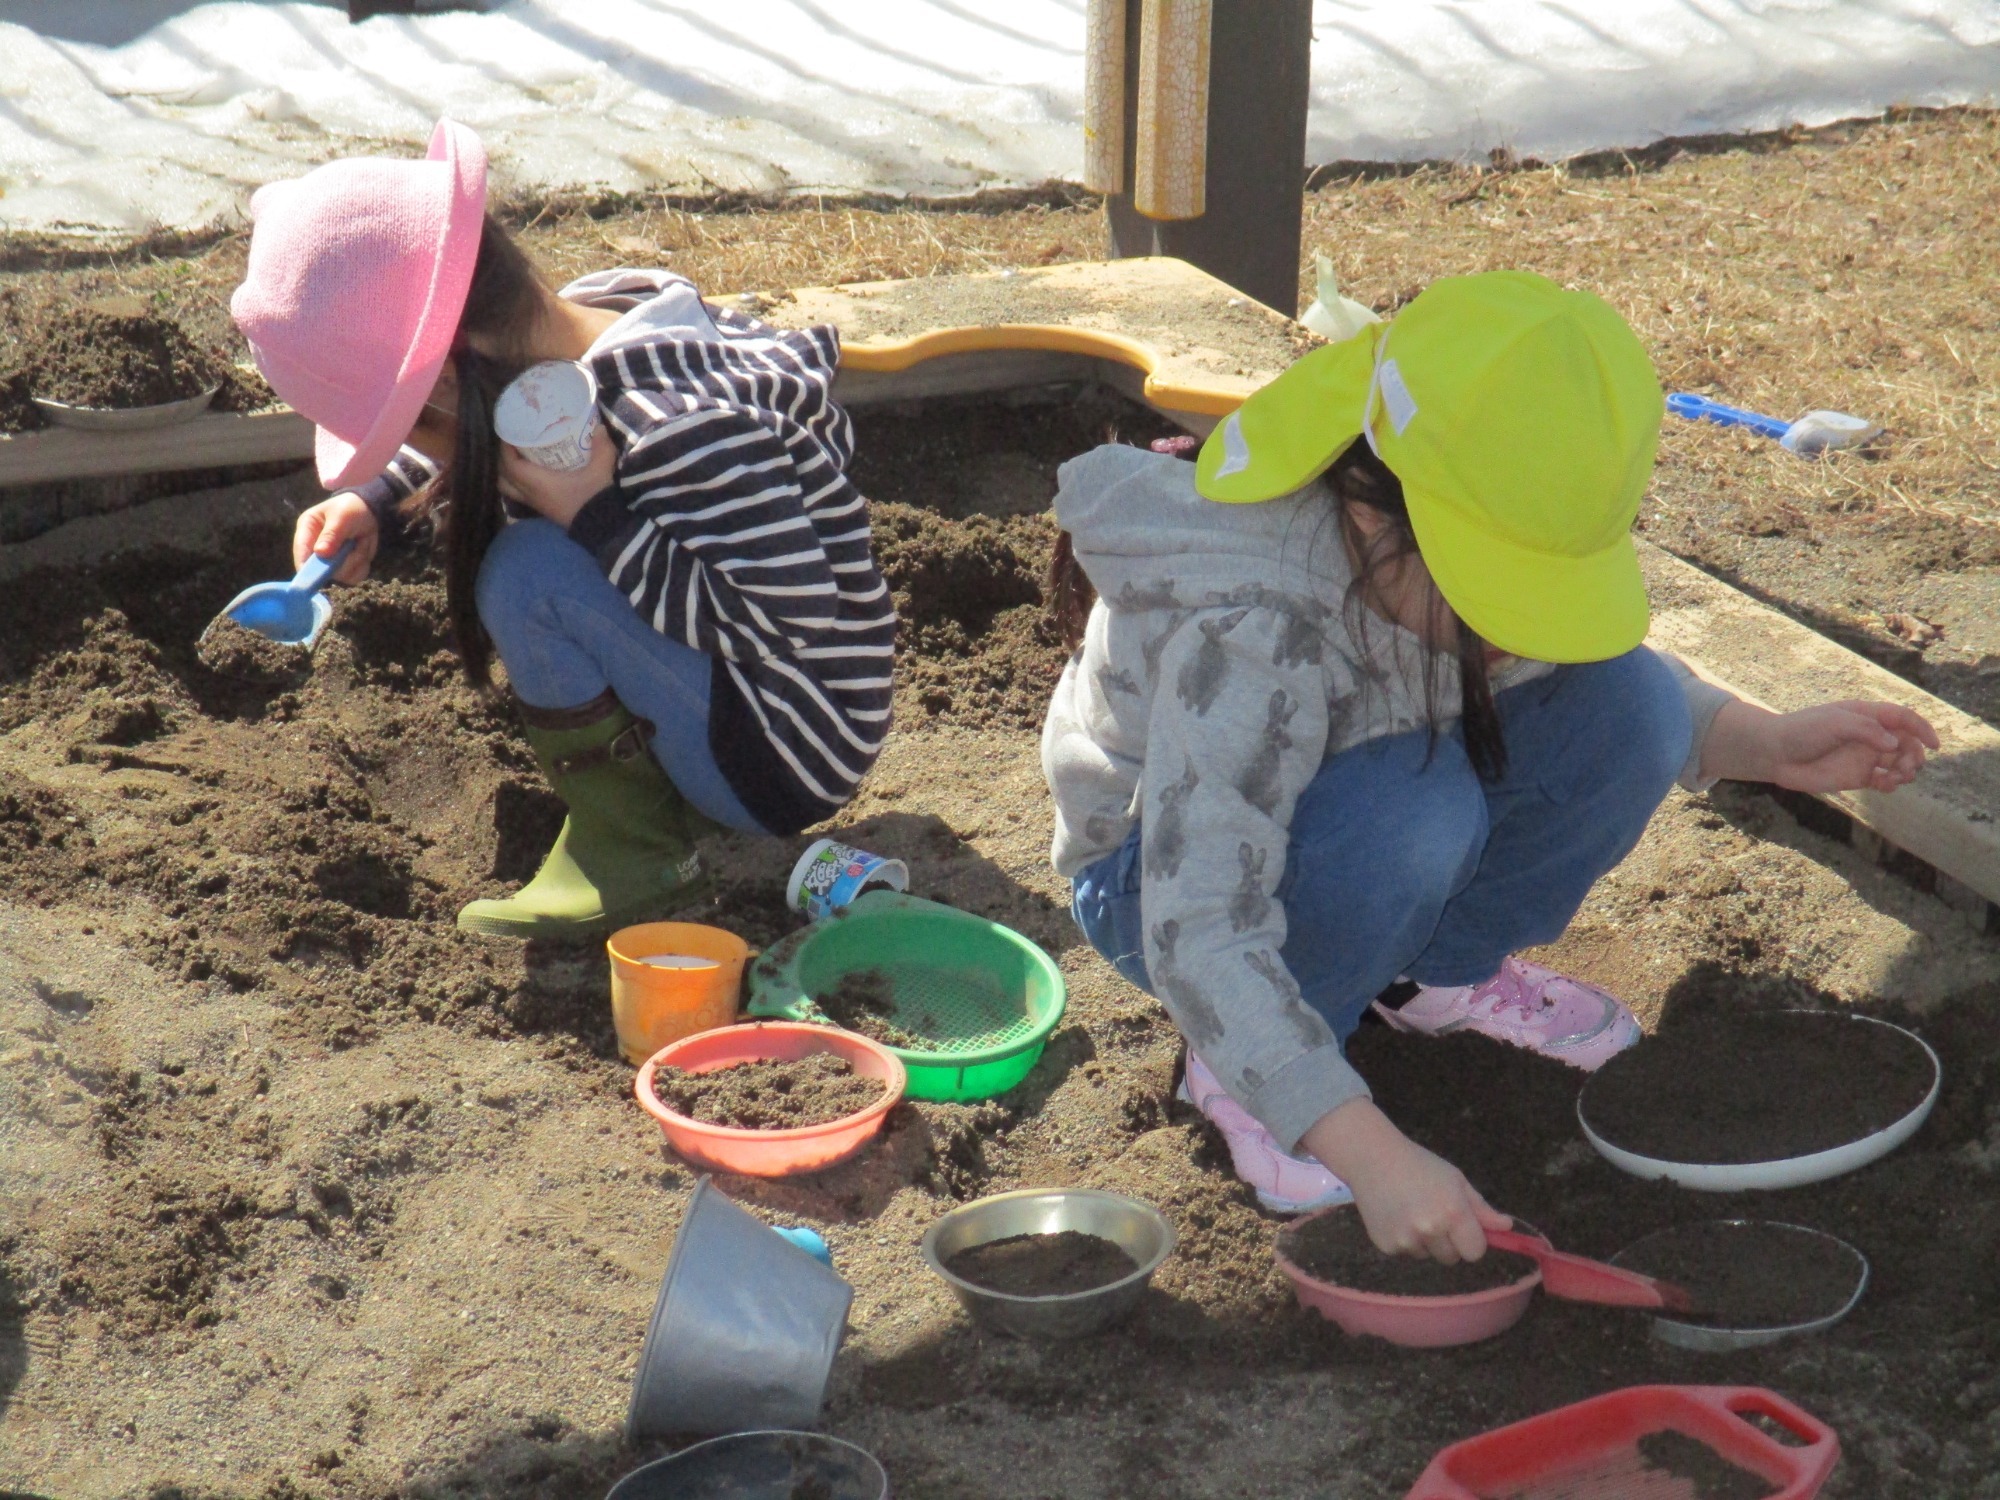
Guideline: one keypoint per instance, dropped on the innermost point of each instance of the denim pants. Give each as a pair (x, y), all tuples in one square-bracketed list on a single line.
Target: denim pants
[(1403, 863), (565, 635)]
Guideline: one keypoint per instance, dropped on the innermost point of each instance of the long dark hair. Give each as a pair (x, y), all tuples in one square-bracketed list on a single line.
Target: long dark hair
[(501, 310), (1357, 478)]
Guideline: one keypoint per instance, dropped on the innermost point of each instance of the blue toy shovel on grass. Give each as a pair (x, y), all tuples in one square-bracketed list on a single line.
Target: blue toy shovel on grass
[(1815, 433), (292, 614)]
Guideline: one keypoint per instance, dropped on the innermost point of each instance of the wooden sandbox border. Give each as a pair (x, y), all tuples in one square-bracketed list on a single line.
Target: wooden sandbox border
[(1126, 335)]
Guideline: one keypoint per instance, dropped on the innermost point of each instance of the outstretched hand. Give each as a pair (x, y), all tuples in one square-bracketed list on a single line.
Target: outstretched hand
[(1412, 1201), (1839, 747), (1832, 747), (340, 518)]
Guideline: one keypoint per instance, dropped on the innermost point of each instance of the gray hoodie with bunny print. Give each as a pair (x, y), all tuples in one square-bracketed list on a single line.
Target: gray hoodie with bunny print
[(1218, 670)]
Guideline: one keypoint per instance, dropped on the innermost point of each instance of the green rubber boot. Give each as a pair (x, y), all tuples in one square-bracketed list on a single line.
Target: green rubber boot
[(626, 852)]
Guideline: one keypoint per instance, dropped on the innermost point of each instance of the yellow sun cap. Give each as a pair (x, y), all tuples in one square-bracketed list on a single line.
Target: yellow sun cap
[(1522, 421)]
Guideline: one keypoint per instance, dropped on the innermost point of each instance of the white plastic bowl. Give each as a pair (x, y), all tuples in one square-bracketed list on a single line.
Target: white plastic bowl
[(1792, 1171)]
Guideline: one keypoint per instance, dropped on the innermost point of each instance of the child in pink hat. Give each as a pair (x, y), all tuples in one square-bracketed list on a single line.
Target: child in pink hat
[(692, 624)]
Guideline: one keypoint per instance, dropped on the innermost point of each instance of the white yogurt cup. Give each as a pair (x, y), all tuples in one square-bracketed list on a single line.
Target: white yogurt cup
[(549, 412), (829, 875), (678, 961)]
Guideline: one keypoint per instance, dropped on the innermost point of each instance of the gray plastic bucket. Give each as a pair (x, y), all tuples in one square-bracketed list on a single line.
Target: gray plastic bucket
[(744, 1331)]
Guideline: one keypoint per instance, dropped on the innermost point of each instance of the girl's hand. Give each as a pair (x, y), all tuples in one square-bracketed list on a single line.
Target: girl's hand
[(1412, 1201), (333, 521), (555, 493), (1833, 747)]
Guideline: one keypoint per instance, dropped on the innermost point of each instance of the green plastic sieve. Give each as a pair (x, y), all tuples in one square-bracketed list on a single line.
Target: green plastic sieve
[(982, 996)]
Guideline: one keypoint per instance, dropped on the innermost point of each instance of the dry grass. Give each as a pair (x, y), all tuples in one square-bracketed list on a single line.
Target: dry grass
[(1852, 268), (1855, 269), (815, 243)]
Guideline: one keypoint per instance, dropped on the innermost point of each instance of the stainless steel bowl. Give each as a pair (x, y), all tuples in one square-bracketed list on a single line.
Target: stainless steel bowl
[(1138, 1228), (759, 1466), (126, 418), (1707, 1338)]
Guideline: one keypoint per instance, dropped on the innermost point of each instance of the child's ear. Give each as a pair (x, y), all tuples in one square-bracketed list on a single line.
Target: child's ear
[(1369, 521)]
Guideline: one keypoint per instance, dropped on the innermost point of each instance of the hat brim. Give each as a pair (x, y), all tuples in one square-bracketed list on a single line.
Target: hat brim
[(342, 463), (1533, 604), (1289, 431)]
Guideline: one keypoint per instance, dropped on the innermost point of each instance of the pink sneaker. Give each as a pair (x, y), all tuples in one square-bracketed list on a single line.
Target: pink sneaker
[(1285, 1183), (1529, 1006)]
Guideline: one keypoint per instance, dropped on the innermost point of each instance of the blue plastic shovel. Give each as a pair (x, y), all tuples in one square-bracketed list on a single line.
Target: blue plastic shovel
[(292, 614), (1815, 433)]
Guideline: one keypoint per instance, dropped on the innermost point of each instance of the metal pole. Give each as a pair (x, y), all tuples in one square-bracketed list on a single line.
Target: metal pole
[(1259, 85)]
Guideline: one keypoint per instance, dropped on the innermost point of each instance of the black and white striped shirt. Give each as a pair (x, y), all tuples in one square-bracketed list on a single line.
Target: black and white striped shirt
[(732, 527)]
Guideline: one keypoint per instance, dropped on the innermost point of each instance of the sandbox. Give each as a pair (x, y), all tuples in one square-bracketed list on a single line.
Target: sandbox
[(304, 1193)]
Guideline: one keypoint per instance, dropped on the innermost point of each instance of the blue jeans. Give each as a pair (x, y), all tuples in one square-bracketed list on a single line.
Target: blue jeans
[(1403, 863), (565, 635)]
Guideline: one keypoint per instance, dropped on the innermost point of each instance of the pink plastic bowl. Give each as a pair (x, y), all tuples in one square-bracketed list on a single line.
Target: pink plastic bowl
[(771, 1153), (1414, 1322)]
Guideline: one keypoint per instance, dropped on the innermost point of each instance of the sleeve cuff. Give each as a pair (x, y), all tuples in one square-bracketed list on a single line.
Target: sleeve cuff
[(1704, 701), (600, 521), (382, 499), (1292, 1102)]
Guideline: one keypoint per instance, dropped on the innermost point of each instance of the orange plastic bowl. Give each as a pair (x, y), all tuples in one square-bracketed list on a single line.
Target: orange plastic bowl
[(771, 1153), (1414, 1322)]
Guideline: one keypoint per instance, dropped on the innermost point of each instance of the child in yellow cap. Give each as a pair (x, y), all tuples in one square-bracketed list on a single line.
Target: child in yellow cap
[(1358, 743)]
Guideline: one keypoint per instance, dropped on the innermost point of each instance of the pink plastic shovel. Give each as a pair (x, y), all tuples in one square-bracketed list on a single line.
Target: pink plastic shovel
[(1577, 1278)]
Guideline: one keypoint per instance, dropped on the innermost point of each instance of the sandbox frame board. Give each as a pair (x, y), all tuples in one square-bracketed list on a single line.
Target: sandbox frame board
[(1162, 332)]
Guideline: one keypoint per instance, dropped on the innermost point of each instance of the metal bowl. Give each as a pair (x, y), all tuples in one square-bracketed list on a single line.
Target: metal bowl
[(759, 1466), (1141, 1230), (1709, 1339), (126, 418)]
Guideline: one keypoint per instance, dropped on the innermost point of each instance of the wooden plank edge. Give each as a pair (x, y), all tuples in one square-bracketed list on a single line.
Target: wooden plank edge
[(1949, 818), (216, 441), (226, 439)]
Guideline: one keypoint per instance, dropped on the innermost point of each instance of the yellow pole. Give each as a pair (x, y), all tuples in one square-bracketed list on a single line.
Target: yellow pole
[(1171, 176), (1104, 97)]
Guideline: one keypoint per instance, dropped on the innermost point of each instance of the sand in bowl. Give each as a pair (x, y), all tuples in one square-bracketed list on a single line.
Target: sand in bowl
[(1670, 1465), (1043, 1265), (1335, 1248), (863, 1002), (1748, 1275), (769, 1095), (1757, 1088)]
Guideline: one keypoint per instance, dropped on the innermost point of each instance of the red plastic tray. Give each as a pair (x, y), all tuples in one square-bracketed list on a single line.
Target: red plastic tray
[(1537, 1455)]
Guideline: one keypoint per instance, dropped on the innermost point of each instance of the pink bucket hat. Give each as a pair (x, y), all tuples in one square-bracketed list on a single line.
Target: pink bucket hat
[(358, 273)]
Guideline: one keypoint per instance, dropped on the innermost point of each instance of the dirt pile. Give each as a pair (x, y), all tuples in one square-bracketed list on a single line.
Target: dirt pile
[(230, 650), (85, 341), (305, 836), (961, 491), (116, 352), (976, 648)]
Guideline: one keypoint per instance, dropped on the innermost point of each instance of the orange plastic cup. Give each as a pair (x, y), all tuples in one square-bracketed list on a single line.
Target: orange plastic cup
[(652, 1006), (772, 1153)]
